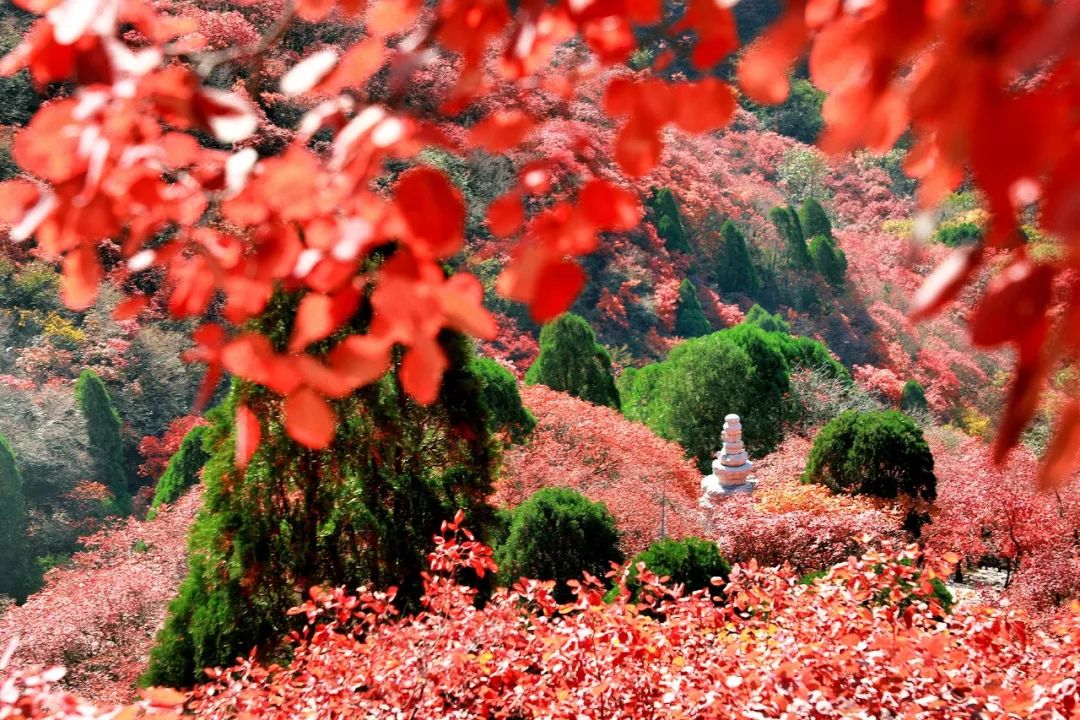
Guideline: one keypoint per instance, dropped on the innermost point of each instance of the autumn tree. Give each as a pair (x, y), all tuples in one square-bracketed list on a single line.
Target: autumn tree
[(17, 578), (106, 443), (735, 271), (182, 471), (507, 414), (572, 361), (556, 535), (787, 223), (669, 225), (689, 315), (882, 454), (281, 517)]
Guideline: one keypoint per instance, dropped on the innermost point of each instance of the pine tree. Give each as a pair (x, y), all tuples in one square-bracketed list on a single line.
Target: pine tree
[(571, 361), (106, 443), (506, 412), (363, 511), (689, 315), (760, 317), (668, 221), (829, 260), (736, 272), (787, 224), (814, 219), (16, 572)]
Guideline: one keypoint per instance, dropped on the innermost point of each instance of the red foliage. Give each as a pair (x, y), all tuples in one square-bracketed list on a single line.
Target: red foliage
[(157, 451), (608, 458), (98, 615), (880, 381)]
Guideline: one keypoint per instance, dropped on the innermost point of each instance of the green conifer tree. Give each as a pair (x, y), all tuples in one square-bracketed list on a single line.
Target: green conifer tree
[(362, 511), (106, 443), (182, 471), (16, 571), (913, 398), (814, 219), (787, 224), (736, 271), (829, 260), (760, 317), (668, 221), (689, 315), (573, 362), (506, 413)]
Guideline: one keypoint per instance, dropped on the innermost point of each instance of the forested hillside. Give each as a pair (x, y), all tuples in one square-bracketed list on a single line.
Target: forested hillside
[(612, 359)]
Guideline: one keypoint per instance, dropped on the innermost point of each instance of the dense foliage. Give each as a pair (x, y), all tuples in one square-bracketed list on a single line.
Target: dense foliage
[(690, 321), (17, 577), (183, 469), (572, 361), (106, 444), (882, 454), (735, 271), (558, 534), (507, 415), (692, 563)]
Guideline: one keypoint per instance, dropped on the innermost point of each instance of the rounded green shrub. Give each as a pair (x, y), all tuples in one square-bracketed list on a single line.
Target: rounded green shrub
[(571, 361), (557, 534), (912, 398), (690, 561), (882, 454), (506, 412)]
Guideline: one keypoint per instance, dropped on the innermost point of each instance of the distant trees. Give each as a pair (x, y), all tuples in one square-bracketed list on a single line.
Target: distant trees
[(787, 223), (573, 362), (735, 271), (882, 454), (690, 318), (557, 534), (106, 443), (669, 224), (16, 568), (506, 413)]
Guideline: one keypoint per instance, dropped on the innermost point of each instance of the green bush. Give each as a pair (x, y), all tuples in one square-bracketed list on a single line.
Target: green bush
[(799, 116), (691, 561), (106, 443), (912, 398), (557, 534), (760, 317), (506, 413), (638, 389), (182, 471), (735, 271), (690, 319), (571, 361), (882, 454), (17, 579), (787, 223), (668, 221), (956, 234)]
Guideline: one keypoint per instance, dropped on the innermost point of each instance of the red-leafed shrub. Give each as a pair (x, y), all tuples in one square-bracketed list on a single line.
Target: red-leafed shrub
[(157, 451)]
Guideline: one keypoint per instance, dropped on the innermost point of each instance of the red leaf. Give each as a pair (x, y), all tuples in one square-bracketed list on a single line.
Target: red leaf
[(48, 147), (82, 275), (130, 308), (319, 316), (16, 198), (1063, 455), (356, 67), (248, 435), (422, 370), (764, 67), (703, 106), (506, 215), (433, 210), (609, 207), (463, 304), (638, 148), (164, 697), (252, 357), (558, 286), (945, 282), (501, 131), (1016, 299), (313, 10), (361, 359), (309, 420)]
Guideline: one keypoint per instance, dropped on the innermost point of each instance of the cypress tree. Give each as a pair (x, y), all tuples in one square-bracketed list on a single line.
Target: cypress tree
[(829, 260), (787, 224), (814, 219), (736, 272), (573, 362), (760, 317), (16, 572), (689, 315), (103, 430), (182, 471), (362, 511), (668, 221), (506, 413)]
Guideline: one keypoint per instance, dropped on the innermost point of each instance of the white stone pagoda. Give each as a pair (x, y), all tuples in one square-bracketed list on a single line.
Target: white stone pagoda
[(732, 466)]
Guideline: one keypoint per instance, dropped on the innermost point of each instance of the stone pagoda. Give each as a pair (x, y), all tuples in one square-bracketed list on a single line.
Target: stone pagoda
[(731, 468)]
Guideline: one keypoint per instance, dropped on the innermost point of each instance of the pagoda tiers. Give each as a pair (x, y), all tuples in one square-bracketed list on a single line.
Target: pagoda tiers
[(732, 466)]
